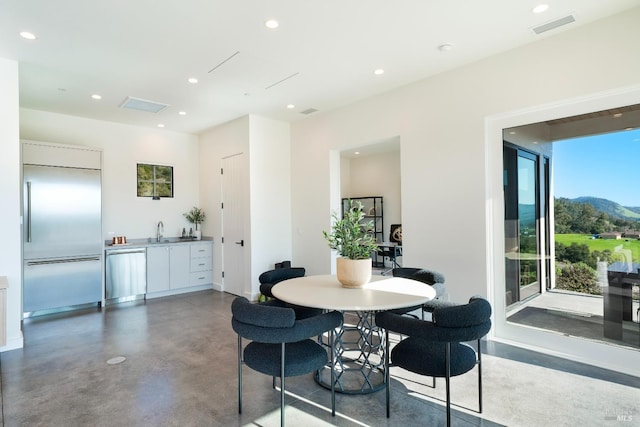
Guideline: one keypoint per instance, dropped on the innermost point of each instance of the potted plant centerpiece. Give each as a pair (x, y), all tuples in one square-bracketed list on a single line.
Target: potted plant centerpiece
[(350, 236), (195, 216)]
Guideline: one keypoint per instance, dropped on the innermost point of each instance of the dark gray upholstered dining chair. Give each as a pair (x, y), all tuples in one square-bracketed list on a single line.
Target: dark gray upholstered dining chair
[(281, 346), (439, 348), (270, 278), (431, 278)]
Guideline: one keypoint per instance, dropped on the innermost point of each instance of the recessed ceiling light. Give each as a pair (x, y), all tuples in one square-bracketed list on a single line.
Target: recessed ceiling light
[(96, 96), (616, 115), (446, 47), (291, 106), (160, 125), (512, 132), (27, 35), (192, 80), (378, 72), (540, 8), (628, 128), (356, 153), (271, 24), (182, 113)]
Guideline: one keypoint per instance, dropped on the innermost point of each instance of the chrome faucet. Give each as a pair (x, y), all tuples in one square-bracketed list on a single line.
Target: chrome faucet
[(159, 231)]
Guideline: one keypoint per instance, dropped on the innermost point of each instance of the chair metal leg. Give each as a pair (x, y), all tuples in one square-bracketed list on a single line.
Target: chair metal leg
[(239, 374), (479, 376), (333, 374), (386, 271), (282, 385), (387, 376), (638, 319), (447, 350)]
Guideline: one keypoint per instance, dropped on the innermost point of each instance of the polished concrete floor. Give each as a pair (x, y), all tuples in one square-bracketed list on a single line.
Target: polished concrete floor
[(180, 370)]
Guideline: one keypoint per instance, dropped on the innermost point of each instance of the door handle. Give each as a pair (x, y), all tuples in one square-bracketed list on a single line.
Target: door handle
[(28, 211), (241, 243)]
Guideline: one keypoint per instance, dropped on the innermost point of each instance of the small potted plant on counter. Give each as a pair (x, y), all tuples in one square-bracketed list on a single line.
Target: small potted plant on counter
[(351, 237), (196, 216)]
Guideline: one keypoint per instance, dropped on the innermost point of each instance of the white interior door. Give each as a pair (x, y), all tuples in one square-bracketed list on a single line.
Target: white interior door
[(234, 246)]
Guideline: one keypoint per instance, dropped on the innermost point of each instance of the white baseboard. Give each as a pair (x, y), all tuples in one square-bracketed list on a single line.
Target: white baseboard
[(13, 344)]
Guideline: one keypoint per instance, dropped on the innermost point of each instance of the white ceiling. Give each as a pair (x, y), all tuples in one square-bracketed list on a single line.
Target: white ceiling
[(323, 53)]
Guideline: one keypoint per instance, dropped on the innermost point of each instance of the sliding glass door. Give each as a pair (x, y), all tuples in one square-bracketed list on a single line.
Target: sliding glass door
[(522, 220), (546, 201)]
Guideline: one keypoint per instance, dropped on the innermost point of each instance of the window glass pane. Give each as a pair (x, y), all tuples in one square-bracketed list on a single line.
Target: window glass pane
[(163, 189), (145, 172), (145, 189), (164, 174)]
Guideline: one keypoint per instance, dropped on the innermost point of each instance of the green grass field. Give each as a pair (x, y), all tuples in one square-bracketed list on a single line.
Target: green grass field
[(601, 244)]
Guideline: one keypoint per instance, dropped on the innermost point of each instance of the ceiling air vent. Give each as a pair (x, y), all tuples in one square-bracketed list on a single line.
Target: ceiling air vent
[(282, 80), (554, 24), (143, 105), (308, 111)]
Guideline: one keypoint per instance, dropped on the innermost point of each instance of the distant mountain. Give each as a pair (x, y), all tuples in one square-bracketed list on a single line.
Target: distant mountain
[(612, 209), (527, 213), (633, 208)]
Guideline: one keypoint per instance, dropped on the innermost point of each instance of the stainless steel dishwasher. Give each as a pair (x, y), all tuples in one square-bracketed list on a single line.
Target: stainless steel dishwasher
[(126, 272)]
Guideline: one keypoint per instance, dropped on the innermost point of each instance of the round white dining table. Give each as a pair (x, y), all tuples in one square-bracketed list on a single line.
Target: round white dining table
[(359, 344), (381, 293)]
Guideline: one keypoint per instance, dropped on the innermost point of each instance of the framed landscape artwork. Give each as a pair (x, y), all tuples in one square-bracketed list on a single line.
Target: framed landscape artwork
[(154, 181)]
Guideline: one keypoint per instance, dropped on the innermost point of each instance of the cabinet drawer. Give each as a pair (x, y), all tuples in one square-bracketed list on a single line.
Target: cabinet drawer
[(201, 264), (201, 278), (201, 250)]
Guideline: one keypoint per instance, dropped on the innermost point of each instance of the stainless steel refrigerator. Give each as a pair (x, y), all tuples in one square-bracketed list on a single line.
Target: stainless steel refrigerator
[(62, 248)]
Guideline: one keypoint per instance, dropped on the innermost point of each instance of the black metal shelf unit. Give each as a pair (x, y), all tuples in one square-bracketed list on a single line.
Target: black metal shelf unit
[(373, 207)]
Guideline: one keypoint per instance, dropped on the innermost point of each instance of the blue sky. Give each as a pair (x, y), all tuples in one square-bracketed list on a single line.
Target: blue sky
[(605, 166)]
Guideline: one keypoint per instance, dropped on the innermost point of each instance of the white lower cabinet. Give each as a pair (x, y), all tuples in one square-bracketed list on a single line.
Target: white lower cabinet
[(201, 268), (179, 265), (157, 269)]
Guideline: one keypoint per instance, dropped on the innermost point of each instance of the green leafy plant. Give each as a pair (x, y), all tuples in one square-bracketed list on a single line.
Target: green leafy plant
[(195, 216), (578, 277), (351, 236)]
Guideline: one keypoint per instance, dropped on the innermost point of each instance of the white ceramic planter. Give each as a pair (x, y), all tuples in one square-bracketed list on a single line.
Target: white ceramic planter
[(353, 273)]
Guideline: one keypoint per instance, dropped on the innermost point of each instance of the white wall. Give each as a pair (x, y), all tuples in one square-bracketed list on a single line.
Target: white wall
[(451, 158), (215, 144), (311, 183), (10, 228), (378, 175), (270, 180), (441, 123), (123, 147), (345, 176), (268, 228)]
